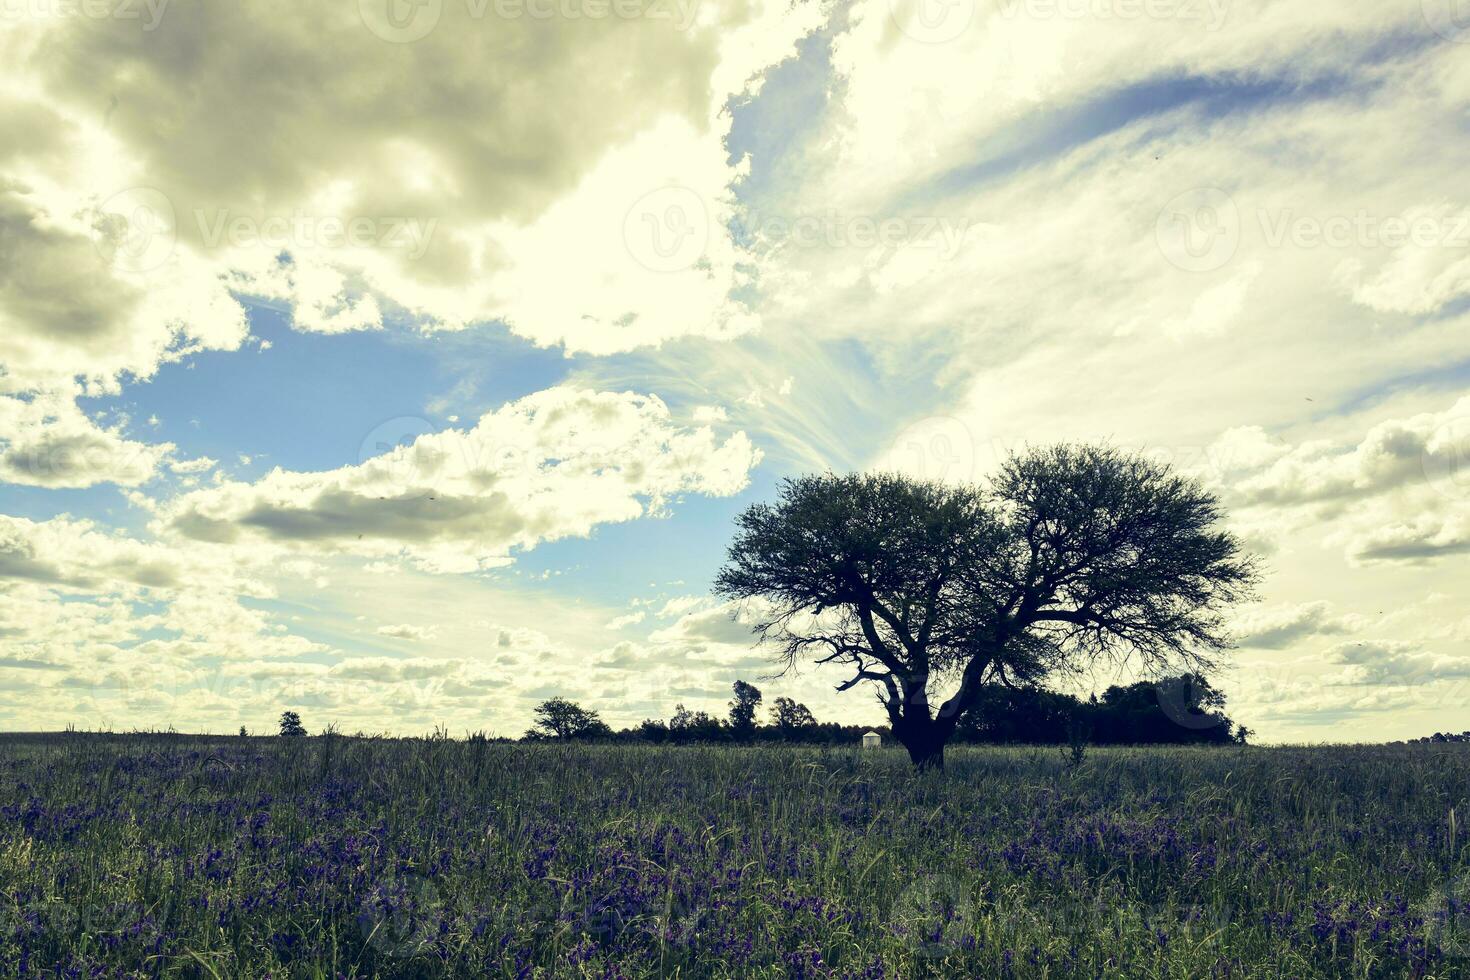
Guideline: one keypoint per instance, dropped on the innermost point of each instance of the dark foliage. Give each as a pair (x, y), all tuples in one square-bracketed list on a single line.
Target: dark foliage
[(742, 709), (1179, 710), (1073, 555), (559, 718)]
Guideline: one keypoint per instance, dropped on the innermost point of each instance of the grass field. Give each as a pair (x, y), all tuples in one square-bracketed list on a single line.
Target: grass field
[(177, 856)]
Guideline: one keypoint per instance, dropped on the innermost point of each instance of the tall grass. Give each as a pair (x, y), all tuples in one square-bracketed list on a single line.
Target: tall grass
[(326, 857)]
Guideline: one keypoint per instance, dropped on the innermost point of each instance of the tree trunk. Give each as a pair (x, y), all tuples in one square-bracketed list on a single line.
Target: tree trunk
[(924, 737), (926, 754)]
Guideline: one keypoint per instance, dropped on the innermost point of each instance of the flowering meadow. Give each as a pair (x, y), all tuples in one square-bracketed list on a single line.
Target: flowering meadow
[(173, 856)]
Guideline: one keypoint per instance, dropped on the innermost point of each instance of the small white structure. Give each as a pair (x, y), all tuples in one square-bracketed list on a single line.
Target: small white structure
[(872, 740)]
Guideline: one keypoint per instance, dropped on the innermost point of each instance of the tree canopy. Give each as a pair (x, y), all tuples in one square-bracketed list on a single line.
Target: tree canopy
[(1072, 555), (559, 718)]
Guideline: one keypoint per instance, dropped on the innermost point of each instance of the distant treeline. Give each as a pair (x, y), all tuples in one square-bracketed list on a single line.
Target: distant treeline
[(1178, 710), (1436, 738)]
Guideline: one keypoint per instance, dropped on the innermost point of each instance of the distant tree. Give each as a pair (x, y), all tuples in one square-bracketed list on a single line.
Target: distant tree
[(291, 725), (1072, 555), (695, 726), (791, 718), (243, 732), (742, 709), (653, 730), (559, 718)]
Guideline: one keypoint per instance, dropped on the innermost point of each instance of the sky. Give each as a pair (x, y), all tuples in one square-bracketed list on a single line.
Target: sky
[(406, 362)]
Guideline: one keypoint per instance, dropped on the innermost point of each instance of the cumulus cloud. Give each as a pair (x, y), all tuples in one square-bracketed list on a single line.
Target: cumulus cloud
[(630, 619), (1431, 448), (46, 441), (72, 304), (551, 465), (79, 555), (1384, 662), (1398, 493), (1282, 626), (594, 221), (98, 625)]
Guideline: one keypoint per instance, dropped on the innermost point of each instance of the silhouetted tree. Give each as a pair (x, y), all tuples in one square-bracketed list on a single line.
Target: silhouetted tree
[(742, 709), (291, 725), (1073, 554), (653, 730), (695, 726), (791, 718), (559, 718)]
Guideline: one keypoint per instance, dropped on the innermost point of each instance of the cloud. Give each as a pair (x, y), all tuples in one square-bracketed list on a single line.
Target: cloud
[(1431, 448), (406, 171), (407, 631), (46, 441), (1396, 663), (722, 624), (1282, 626), (631, 619), (1397, 494), (71, 305), (78, 555), (551, 465), (1413, 540)]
